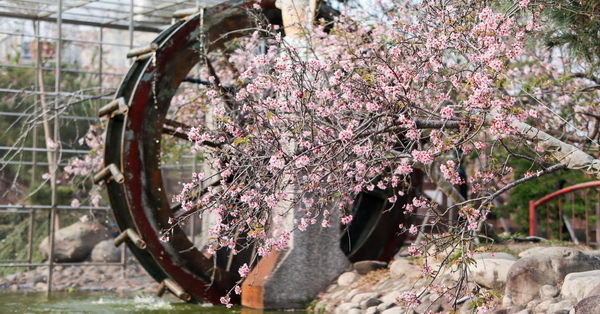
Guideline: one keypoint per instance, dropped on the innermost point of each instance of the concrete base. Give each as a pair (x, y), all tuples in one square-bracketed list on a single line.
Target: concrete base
[(290, 279)]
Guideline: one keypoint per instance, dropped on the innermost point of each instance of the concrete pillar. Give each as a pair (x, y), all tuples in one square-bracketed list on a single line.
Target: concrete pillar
[(293, 277)]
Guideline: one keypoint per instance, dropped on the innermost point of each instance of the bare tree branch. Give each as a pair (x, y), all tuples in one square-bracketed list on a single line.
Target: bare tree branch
[(571, 156), (433, 172)]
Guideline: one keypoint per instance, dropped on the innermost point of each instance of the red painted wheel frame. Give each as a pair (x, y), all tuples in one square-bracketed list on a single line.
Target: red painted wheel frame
[(133, 144)]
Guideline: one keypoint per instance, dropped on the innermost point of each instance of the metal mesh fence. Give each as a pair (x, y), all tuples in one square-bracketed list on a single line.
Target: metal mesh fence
[(60, 61)]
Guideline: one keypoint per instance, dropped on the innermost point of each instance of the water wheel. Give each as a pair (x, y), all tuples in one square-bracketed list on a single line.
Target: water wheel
[(137, 126)]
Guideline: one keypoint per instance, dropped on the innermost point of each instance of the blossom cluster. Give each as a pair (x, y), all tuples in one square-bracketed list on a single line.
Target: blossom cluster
[(363, 107)]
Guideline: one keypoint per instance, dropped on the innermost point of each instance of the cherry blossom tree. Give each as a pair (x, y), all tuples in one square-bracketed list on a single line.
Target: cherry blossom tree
[(362, 103)]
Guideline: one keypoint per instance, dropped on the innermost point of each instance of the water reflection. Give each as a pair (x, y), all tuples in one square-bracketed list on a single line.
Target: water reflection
[(102, 302)]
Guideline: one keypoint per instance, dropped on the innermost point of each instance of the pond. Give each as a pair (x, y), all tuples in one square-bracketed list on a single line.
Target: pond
[(102, 302)]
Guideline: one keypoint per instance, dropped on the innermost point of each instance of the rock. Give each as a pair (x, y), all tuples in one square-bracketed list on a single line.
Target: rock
[(345, 307), (362, 296), (365, 267), (385, 305), (401, 268), (531, 251), (565, 305), (589, 305), (346, 278), (507, 301), (106, 252), (525, 311), (394, 310), (371, 302), (391, 296), (338, 294), (516, 309), (40, 286), (548, 292), (466, 308), (491, 272), (595, 291), (372, 310), (547, 267), (577, 286), (75, 242), (354, 311), (36, 279), (593, 253), (321, 305), (434, 308), (544, 306), (349, 295)]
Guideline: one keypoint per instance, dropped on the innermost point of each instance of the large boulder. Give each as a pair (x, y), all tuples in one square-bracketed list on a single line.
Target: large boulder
[(106, 252), (546, 267), (491, 271), (578, 286), (75, 242)]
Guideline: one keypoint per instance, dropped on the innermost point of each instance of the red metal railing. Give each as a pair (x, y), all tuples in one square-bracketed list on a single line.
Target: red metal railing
[(533, 221)]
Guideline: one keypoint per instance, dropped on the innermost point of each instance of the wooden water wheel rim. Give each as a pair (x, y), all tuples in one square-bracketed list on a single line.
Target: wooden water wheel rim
[(133, 145)]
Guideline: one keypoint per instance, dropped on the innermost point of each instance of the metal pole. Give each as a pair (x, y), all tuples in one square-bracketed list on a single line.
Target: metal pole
[(38, 62), (130, 24), (100, 60), (30, 240), (57, 81)]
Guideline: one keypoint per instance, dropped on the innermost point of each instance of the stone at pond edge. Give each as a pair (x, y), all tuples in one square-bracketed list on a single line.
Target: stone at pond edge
[(365, 267), (106, 252), (75, 242), (546, 267)]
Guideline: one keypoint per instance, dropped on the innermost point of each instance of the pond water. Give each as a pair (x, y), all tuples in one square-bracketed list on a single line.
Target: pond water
[(101, 302)]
